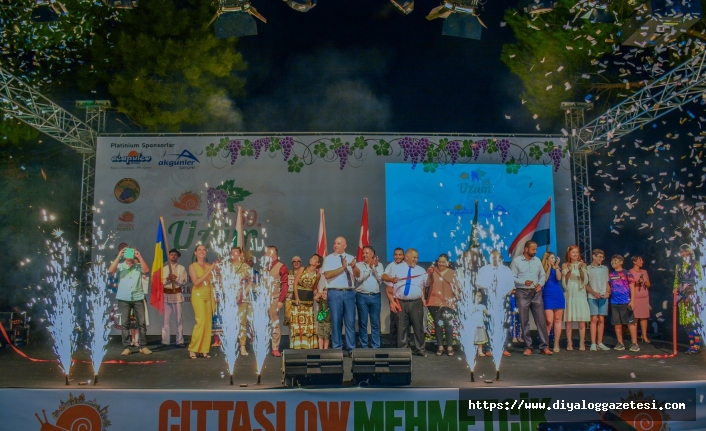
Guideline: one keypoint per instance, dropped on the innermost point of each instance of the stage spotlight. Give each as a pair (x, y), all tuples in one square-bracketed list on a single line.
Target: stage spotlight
[(235, 19), (48, 11), (406, 6), (461, 16), (301, 5), (535, 7), (121, 4)]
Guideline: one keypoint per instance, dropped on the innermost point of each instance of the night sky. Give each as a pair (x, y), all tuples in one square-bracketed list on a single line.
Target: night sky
[(364, 66)]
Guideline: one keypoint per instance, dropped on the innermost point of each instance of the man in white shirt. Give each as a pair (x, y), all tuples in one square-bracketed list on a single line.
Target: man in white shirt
[(529, 279), (398, 257), (337, 269), (174, 279), (498, 281), (368, 275), (409, 281)]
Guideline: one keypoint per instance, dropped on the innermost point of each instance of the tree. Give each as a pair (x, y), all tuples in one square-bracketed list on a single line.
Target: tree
[(562, 57), (168, 65)]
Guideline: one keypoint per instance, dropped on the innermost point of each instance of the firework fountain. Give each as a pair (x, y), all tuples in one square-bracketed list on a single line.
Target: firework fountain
[(99, 303), (467, 327), (228, 286), (62, 317), (262, 327)]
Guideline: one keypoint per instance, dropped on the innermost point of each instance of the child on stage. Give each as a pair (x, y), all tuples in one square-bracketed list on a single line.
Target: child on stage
[(622, 287)]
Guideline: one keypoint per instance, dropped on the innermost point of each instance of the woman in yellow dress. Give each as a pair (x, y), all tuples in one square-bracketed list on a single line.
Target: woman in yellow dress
[(302, 328), (203, 301)]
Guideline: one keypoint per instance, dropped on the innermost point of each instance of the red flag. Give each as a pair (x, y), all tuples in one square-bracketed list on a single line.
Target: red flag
[(321, 247), (240, 240), (364, 232), (537, 230)]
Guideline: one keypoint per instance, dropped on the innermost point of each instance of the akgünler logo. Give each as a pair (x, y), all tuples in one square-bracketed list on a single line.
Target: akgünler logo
[(185, 159)]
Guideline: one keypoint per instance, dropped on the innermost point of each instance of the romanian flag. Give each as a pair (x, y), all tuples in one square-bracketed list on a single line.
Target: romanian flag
[(160, 257)]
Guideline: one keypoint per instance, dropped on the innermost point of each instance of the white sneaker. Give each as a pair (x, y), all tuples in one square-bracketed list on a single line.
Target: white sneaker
[(603, 346), (593, 348)]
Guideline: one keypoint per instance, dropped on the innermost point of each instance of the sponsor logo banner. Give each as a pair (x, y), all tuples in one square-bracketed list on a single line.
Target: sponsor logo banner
[(337, 409)]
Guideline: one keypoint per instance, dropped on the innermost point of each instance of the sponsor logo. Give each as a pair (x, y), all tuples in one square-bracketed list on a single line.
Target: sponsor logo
[(127, 191), (183, 160), (190, 203), (126, 221), (131, 158), (76, 414), (474, 183)]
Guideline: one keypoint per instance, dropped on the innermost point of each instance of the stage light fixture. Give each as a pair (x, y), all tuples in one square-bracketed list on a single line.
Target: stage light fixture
[(121, 4), (461, 17), (48, 11), (235, 19), (536, 7), (406, 6), (301, 5)]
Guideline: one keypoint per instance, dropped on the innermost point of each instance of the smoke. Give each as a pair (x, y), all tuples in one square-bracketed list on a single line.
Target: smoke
[(223, 114), (330, 90)]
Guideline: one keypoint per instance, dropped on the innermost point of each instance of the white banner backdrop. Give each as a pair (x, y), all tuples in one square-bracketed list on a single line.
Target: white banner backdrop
[(353, 409), (139, 179)]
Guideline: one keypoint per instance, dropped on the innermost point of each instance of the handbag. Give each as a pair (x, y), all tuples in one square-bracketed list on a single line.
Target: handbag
[(323, 313)]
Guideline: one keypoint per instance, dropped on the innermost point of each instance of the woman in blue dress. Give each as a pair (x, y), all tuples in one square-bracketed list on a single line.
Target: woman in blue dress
[(553, 296)]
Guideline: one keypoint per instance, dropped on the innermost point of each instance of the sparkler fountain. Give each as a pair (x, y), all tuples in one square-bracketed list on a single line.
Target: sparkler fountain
[(99, 303), (228, 284), (62, 317), (467, 327), (262, 327)]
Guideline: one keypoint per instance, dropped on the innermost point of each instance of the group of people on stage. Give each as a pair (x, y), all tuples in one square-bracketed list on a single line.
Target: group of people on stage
[(321, 299)]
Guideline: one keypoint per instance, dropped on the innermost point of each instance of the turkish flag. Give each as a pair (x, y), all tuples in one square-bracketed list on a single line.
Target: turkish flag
[(364, 239), (321, 248)]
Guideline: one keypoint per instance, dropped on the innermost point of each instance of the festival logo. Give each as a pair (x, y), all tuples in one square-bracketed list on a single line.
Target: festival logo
[(645, 419), (127, 191), (76, 414), (132, 158), (476, 185), (183, 160), (190, 203), (126, 222)]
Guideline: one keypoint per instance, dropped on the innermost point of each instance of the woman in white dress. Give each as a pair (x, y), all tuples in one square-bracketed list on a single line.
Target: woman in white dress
[(574, 279)]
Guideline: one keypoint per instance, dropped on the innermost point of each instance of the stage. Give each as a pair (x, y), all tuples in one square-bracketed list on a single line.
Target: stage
[(171, 368)]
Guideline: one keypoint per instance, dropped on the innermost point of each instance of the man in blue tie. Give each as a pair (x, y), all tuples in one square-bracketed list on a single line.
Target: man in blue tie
[(338, 271), (408, 283)]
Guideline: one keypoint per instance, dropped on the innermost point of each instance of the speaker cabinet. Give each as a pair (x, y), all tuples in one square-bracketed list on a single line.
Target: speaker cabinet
[(312, 367), (384, 367)]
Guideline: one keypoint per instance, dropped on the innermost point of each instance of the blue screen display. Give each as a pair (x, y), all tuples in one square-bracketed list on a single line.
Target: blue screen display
[(433, 212)]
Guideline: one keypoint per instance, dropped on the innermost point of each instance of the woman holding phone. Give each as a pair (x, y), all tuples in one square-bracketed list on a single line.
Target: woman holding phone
[(203, 301)]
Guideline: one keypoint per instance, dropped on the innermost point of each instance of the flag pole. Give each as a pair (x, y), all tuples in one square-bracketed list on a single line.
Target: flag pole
[(166, 245)]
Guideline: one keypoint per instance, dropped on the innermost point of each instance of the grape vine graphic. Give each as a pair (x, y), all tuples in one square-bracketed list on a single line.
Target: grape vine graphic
[(223, 198), (432, 152)]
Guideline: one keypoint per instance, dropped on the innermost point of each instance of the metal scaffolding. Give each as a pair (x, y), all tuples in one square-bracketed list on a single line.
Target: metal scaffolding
[(19, 100), (574, 117), (681, 85)]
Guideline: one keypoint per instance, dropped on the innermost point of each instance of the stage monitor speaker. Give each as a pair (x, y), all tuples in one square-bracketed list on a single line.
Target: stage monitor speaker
[(384, 367), (312, 367)]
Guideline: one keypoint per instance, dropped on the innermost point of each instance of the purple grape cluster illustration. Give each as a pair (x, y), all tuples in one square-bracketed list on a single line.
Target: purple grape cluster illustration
[(342, 152), (504, 147), (234, 147), (216, 199), (555, 155), (419, 151), (259, 145), (287, 143), (453, 149), (406, 144), (479, 146)]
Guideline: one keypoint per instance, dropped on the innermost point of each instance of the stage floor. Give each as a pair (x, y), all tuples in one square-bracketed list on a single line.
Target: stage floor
[(173, 369)]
